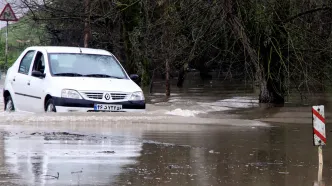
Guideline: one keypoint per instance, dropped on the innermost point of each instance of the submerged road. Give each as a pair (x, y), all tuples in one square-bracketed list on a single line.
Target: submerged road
[(159, 154), (182, 141)]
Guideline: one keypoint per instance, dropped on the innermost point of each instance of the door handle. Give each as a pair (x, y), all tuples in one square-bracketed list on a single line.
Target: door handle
[(14, 79), (28, 83)]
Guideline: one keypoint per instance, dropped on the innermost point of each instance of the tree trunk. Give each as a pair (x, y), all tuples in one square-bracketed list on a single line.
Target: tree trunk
[(167, 83), (269, 66), (87, 28), (151, 82), (268, 94), (181, 77), (271, 81), (86, 35)]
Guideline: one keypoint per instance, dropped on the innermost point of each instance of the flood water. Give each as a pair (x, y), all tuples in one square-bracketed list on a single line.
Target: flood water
[(203, 135), (160, 155)]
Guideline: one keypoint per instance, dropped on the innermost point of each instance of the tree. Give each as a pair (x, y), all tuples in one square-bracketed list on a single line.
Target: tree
[(282, 45)]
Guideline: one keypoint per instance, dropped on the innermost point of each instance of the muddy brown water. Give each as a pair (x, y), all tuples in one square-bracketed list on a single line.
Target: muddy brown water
[(203, 135), (159, 155)]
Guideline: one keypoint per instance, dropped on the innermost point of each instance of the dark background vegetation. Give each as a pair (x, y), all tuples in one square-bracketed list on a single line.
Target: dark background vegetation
[(278, 45)]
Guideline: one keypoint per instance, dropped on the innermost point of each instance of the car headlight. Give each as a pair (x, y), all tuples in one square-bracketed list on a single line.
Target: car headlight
[(137, 96), (73, 94)]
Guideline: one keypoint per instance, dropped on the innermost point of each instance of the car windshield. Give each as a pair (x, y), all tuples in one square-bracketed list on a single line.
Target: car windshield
[(88, 65)]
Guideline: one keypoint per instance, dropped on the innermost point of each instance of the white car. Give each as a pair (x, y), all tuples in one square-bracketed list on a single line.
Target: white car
[(70, 79)]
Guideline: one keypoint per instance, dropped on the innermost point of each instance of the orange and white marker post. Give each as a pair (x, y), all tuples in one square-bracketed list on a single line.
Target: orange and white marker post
[(319, 132)]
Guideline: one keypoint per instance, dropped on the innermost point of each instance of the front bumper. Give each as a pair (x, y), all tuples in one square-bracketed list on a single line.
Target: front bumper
[(82, 105)]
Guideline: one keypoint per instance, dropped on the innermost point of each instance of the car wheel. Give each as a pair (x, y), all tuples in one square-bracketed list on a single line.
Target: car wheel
[(49, 107), (9, 104)]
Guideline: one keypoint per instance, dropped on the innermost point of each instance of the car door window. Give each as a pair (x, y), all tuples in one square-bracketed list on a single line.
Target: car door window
[(39, 63), (26, 62)]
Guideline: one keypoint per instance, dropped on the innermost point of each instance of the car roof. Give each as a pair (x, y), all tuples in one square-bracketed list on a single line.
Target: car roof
[(67, 49)]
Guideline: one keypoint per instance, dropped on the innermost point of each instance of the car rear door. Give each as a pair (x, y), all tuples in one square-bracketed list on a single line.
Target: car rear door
[(20, 82)]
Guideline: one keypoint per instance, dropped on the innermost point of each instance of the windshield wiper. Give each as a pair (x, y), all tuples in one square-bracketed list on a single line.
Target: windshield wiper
[(68, 74), (102, 76)]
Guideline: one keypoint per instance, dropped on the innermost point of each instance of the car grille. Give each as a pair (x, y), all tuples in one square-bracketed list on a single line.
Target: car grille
[(117, 96), (94, 95), (99, 96)]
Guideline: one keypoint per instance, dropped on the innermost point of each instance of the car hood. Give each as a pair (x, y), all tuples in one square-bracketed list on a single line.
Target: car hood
[(96, 84)]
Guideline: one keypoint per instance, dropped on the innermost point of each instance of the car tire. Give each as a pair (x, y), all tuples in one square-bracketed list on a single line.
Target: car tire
[(49, 107), (9, 104)]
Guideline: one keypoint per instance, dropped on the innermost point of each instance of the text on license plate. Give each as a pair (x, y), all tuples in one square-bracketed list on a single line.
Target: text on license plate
[(108, 107)]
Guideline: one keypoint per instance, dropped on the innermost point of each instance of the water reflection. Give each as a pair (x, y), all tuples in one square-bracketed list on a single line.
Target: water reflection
[(37, 158), (229, 156)]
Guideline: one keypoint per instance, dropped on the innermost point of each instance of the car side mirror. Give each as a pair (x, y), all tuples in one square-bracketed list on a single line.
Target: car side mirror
[(38, 74), (134, 77)]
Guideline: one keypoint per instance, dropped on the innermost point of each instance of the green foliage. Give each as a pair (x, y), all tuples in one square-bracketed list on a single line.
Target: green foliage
[(21, 34), (12, 56)]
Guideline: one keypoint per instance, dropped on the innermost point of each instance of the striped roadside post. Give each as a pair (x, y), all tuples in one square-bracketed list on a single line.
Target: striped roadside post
[(319, 136)]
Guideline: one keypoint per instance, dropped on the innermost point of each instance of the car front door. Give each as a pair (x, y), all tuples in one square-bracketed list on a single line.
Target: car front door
[(20, 80), (37, 85)]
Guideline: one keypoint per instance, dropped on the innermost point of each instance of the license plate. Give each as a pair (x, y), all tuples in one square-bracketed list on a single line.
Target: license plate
[(104, 107)]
